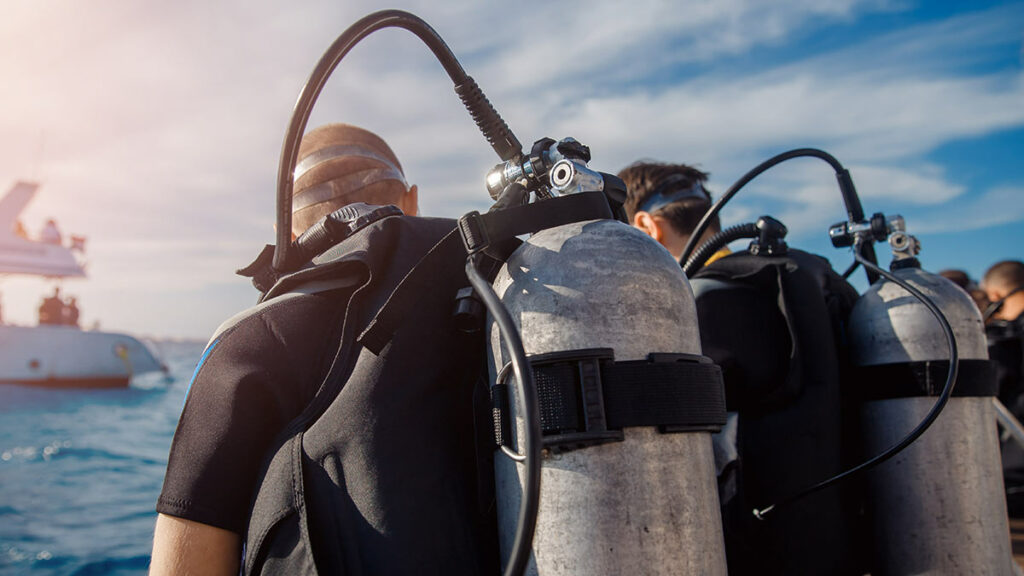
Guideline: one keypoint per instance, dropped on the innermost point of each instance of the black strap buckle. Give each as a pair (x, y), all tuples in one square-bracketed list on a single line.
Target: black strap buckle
[(474, 232), (587, 398), (573, 375)]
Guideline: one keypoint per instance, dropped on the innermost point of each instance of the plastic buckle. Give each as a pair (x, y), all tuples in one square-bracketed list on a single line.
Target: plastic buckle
[(589, 399), (474, 232)]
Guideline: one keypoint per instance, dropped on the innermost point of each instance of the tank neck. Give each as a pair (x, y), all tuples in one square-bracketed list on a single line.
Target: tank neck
[(905, 263)]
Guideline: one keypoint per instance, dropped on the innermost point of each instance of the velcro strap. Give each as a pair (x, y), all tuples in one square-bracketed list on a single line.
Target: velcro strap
[(482, 230), (587, 398), (674, 396), (920, 379)]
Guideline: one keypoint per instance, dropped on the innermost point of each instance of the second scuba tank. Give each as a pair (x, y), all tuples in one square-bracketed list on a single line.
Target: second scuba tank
[(628, 404), (937, 507)]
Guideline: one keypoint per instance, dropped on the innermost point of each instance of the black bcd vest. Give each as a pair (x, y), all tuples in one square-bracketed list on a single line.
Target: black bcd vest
[(776, 325), (388, 470)]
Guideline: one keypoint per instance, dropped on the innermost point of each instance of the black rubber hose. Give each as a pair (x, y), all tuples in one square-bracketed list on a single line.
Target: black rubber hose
[(947, 391), (495, 130), (522, 545), (851, 269), (850, 198), (716, 242)]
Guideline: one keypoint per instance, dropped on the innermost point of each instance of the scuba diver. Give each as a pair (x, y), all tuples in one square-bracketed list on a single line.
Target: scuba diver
[(262, 368), (667, 201), (1004, 327), (770, 318), (1004, 285)]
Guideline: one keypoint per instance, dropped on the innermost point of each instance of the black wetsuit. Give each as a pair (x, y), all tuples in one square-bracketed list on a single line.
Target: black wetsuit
[(1006, 350), (255, 376), (343, 423)]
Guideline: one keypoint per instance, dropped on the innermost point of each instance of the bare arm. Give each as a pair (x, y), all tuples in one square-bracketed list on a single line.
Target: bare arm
[(188, 548)]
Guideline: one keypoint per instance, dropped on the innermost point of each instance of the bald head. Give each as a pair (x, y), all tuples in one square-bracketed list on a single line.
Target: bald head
[(1004, 285), (340, 164), (1007, 275)]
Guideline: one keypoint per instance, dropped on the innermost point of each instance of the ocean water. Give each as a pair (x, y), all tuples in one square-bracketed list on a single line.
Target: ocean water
[(80, 471)]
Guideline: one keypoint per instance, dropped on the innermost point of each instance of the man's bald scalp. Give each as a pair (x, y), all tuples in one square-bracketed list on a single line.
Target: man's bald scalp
[(1007, 275)]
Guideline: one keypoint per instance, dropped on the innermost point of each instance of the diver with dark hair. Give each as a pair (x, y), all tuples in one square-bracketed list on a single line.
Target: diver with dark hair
[(771, 320), (667, 201)]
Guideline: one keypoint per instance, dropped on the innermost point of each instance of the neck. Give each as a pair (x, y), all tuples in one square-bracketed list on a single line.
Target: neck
[(676, 243), (675, 246)]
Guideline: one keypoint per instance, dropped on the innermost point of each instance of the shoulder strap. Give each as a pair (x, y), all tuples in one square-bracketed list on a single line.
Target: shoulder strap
[(494, 232), (445, 257), (481, 231)]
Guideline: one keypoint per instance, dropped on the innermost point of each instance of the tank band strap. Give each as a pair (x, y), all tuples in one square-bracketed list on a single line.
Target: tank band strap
[(922, 379), (587, 398), (481, 231)]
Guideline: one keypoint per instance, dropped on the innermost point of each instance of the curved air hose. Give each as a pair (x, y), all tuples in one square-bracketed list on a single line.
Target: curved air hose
[(864, 254), (506, 145), (530, 504), (486, 117), (850, 199), (716, 242), (947, 391)]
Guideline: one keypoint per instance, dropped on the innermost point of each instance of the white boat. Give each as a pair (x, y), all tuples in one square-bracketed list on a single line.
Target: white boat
[(58, 355)]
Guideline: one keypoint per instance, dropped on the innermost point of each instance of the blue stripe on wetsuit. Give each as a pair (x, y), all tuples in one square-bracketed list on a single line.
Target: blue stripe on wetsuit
[(199, 366)]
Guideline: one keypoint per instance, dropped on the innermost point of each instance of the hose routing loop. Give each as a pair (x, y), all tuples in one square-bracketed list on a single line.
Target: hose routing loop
[(849, 192)]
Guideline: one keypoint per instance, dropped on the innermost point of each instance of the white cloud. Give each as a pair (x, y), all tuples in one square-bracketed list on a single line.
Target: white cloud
[(156, 127), (1000, 205)]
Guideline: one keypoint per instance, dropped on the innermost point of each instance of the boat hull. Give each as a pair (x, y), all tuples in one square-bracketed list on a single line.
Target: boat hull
[(66, 357)]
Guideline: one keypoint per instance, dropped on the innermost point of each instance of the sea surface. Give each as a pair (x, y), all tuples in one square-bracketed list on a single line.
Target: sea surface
[(80, 471)]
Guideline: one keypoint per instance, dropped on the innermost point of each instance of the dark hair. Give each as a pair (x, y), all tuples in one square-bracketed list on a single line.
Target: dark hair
[(1008, 274), (644, 179), (958, 277)]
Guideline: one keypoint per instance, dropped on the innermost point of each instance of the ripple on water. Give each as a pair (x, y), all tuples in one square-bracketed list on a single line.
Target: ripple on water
[(80, 471), (31, 453), (19, 560)]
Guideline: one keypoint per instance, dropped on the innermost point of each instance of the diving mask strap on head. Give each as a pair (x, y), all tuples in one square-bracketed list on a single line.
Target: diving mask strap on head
[(344, 186), (996, 306), (668, 192), (342, 151)]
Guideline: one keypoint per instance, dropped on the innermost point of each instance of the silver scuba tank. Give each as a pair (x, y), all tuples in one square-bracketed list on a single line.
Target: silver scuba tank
[(647, 504), (938, 507)]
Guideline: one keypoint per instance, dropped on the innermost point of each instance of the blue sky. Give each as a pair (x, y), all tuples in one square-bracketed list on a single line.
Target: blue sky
[(155, 127)]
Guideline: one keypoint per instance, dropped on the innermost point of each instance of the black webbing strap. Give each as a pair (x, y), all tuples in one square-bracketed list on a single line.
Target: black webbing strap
[(587, 398), (672, 395), (445, 257), (482, 230), (478, 231), (920, 379)]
